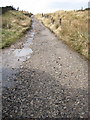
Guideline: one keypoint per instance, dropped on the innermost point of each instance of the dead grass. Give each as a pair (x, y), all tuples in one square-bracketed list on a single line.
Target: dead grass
[(73, 28), (14, 25)]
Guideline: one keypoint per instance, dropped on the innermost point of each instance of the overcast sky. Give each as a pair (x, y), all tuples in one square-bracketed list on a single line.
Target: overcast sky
[(43, 6)]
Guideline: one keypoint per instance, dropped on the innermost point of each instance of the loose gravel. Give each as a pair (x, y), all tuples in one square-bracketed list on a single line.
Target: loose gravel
[(52, 83)]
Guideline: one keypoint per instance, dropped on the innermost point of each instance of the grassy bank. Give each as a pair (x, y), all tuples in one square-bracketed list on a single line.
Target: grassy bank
[(14, 25), (70, 26)]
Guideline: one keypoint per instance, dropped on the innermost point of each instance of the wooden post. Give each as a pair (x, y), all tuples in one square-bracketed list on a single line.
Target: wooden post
[(60, 21)]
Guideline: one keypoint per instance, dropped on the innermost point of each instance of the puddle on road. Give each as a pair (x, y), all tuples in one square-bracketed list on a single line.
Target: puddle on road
[(23, 54)]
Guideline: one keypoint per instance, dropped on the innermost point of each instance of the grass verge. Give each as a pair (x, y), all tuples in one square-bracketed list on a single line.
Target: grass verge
[(14, 25)]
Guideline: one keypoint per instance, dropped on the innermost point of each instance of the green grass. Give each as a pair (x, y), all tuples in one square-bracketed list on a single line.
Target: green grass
[(73, 29), (14, 25)]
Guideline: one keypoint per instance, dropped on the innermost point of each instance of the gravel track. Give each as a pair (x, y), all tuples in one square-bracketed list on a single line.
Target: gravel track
[(52, 83)]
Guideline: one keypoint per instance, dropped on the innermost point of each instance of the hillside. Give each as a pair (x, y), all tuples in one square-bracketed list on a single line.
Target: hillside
[(14, 24), (70, 26)]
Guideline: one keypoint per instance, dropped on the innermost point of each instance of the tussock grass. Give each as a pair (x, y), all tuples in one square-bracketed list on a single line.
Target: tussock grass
[(14, 25), (73, 28)]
